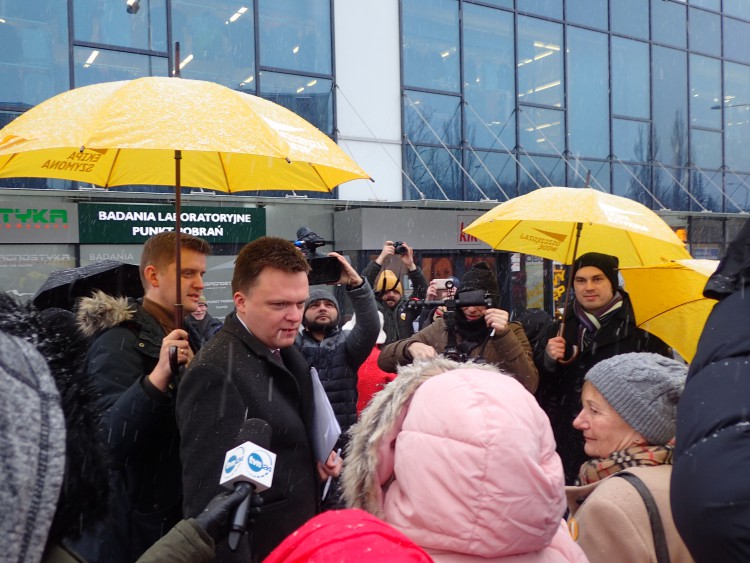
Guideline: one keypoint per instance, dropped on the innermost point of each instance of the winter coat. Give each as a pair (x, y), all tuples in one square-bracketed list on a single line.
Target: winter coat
[(488, 489), (371, 379), (340, 354), (187, 542), (235, 378), (560, 386), (398, 322), (509, 350), (609, 521), (710, 488), (139, 426), (207, 326)]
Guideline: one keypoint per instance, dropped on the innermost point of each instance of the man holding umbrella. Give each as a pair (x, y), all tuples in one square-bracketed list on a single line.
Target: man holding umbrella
[(598, 324), (128, 361)]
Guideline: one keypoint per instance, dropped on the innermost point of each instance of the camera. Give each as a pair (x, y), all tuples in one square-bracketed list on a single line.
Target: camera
[(323, 269), (443, 283), (399, 248)]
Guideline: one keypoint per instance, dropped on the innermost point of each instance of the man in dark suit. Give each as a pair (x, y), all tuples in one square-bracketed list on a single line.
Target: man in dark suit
[(250, 369)]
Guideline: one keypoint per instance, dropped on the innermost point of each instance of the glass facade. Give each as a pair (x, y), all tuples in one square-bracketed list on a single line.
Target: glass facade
[(649, 97)]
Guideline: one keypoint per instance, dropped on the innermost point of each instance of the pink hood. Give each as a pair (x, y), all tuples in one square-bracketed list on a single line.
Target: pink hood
[(472, 470)]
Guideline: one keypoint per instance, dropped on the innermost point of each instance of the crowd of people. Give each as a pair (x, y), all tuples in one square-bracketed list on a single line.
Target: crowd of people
[(461, 433)]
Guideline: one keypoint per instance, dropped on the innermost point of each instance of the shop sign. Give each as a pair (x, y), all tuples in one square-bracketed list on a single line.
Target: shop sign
[(132, 224), (20, 224)]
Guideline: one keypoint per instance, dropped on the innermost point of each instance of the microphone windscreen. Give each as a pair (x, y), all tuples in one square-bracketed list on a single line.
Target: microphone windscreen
[(255, 430)]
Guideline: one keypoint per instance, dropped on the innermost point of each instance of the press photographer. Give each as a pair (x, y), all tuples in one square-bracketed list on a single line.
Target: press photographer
[(482, 331)]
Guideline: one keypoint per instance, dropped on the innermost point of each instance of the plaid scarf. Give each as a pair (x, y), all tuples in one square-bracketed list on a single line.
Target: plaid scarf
[(589, 323), (596, 469)]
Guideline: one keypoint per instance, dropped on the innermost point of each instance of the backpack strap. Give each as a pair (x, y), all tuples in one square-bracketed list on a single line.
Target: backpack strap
[(657, 529)]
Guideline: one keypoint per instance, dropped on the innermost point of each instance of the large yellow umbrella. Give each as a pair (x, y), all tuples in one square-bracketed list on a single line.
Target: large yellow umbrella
[(562, 223), (172, 131), (668, 301)]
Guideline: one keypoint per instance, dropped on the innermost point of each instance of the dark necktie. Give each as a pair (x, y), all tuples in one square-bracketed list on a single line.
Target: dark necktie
[(277, 354)]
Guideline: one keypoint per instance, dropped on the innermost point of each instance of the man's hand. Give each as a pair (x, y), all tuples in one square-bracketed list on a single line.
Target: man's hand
[(349, 275), (408, 258), (216, 517), (421, 351), (162, 373), (555, 348), (496, 319), (388, 250), (332, 468), (431, 292)]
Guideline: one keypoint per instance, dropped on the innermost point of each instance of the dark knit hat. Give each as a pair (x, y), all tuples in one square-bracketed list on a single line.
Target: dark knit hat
[(644, 389), (317, 294), (606, 263), (480, 277)]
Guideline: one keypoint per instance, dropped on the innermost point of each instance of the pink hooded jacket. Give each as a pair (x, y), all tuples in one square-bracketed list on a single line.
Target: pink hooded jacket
[(463, 463)]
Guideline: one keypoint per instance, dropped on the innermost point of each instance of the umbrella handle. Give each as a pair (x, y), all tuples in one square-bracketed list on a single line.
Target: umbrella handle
[(174, 363), (563, 361)]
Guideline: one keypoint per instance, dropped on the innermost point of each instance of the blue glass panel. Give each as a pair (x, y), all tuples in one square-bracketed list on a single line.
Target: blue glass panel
[(669, 23), (501, 3), (542, 130), (630, 140), (707, 189), (630, 68), (546, 8), (579, 169), (540, 62), (592, 13), (737, 40), (670, 106), (671, 188), (494, 173), (432, 118), (704, 32), (308, 97), (434, 172), (33, 52), (630, 18), (489, 77), (737, 186), (216, 42), (705, 92), (634, 182), (92, 66), (295, 35), (109, 23), (737, 116), (739, 8), (430, 44), (588, 93), (544, 171), (705, 148), (709, 4)]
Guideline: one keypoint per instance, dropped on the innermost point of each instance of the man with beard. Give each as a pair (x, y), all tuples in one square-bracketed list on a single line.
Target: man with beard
[(399, 320), (482, 332)]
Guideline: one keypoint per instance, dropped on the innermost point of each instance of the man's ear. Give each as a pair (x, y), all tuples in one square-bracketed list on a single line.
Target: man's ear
[(151, 275), (239, 301)]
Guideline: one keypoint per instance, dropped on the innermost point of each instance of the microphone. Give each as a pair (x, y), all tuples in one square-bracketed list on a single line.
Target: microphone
[(249, 464)]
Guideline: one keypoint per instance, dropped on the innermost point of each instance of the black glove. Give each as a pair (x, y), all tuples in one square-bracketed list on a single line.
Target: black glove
[(216, 517)]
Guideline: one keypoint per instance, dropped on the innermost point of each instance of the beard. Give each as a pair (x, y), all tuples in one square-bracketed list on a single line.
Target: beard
[(315, 326)]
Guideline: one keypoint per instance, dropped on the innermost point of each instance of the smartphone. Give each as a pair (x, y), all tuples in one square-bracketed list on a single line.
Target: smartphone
[(324, 270), (443, 283)]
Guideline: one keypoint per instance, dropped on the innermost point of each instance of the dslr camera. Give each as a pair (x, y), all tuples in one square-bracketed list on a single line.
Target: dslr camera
[(399, 248), (323, 269)]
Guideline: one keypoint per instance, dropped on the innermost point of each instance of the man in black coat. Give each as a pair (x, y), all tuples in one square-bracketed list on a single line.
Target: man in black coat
[(250, 369), (599, 324)]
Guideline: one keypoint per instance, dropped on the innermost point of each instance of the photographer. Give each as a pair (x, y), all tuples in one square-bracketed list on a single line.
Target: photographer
[(438, 290), (480, 331), (398, 319)]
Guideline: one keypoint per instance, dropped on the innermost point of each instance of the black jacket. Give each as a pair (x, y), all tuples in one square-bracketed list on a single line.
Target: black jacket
[(559, 391), (710, 491), (235, 378)]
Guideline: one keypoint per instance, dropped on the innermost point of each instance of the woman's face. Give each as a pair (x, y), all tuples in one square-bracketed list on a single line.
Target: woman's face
[(603, 428), (442, 268)]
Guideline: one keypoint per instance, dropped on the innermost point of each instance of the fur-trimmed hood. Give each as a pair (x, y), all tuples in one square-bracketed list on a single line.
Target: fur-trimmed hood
[(101, 311), (461, 459)]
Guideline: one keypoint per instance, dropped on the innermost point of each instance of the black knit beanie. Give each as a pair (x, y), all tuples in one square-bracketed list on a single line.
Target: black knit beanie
[(606, 263), (480, 278)]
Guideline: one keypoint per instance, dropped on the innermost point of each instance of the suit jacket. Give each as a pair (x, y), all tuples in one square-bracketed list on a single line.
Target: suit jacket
[(235, 378)]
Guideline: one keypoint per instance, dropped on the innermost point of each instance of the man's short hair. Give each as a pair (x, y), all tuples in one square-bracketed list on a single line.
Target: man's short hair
[(262, 253), (159, 250)]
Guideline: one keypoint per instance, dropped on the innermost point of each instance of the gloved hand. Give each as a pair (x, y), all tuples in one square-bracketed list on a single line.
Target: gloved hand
[(216, 517)]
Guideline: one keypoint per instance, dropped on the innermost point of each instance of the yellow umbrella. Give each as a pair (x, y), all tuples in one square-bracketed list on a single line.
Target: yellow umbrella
[(668, 301), (562, 223), (170, 131)]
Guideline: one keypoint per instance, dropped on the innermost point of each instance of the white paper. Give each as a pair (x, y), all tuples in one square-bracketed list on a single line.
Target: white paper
[(325, 429)]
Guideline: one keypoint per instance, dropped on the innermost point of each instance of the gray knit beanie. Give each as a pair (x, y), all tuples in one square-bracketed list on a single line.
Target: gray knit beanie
[(316, 294), (644, 390)]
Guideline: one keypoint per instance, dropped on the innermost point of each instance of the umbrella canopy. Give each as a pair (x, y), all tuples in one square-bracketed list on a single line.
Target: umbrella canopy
[(126, 132), (668, 301), (545, 223), (63, 287)]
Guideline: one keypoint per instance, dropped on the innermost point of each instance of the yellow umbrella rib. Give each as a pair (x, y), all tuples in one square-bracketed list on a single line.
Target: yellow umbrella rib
[(112, 168), (224, 172)]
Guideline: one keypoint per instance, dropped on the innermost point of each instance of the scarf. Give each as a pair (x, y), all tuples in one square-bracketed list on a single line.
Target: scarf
[(596, 469), (163, 316), (589, 323), (472, 331)]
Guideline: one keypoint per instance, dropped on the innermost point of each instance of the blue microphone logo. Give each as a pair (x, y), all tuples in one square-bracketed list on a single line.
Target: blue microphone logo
[(260, 463), (233, 461)]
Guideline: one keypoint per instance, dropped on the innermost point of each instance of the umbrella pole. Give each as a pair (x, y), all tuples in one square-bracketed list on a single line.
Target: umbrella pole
[(568, 287), (178, 312)]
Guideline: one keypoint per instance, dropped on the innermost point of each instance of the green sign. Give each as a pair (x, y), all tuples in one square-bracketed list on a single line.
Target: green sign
[(133, 223)]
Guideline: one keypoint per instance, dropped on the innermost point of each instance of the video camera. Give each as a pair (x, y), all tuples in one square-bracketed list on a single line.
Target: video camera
[(466, 299), (323, 269)]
